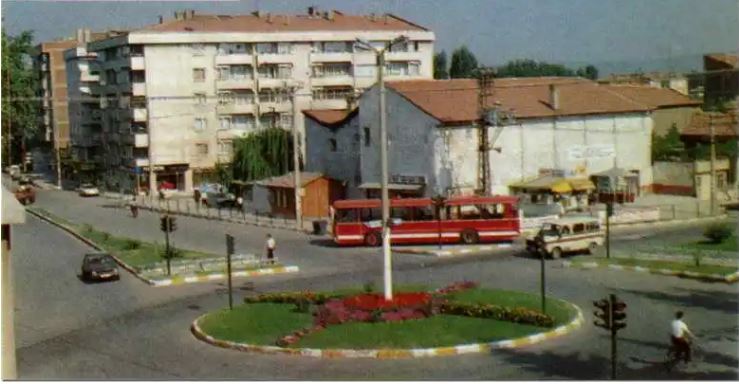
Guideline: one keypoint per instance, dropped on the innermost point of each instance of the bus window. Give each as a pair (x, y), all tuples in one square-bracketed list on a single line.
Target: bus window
[(346, 215), (424, 213), (404, 213), (369, 214), (578, 228), (469, 212)]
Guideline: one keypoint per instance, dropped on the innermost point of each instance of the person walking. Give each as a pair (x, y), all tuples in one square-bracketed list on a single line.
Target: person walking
[(271, 245), (681, 336), (134, 208)]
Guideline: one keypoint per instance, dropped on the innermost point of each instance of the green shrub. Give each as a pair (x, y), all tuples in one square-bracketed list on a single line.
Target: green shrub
[(490, 311), (291, 298), (717, 232), (369, 287), (131, 244)]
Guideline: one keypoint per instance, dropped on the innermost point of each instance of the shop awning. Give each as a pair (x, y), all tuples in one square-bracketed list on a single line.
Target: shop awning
[(581, 184), (395, 187), (545, 183)]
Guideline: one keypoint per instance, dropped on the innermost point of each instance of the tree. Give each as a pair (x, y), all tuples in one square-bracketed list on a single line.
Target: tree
[(440, 66), (463, 64), (532, 68), (668, 147), (588, 72), (262, 154), (19, 83)]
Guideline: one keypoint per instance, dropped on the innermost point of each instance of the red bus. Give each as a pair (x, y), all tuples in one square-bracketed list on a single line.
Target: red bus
[(468, 220)]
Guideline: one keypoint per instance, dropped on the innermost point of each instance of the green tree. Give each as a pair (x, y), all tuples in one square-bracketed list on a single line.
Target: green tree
[(19, 83), (463, 63), (440, 66), (588, 72), (668, 147), (262, 154)]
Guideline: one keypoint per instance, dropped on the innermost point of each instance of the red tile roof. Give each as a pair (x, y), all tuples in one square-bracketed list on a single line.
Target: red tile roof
[(284, 23), (655, 97), (330, 117), (724, 124), (455, 101), (729, 60)]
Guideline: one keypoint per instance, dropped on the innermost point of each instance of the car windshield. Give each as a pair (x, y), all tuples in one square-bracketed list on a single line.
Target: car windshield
[(104, 260), (549, 230), (87, 186)]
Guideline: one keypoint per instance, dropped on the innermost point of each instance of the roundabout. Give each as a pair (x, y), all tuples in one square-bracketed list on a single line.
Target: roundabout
[(458, 319)]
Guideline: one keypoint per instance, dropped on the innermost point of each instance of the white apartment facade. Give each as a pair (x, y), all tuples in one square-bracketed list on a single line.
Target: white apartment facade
[(174, 95)]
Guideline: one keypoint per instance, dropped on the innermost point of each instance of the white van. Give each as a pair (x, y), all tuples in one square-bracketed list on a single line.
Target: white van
[(571, 234)]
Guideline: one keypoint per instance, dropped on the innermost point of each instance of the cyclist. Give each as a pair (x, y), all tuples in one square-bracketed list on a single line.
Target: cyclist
[(681, 337)]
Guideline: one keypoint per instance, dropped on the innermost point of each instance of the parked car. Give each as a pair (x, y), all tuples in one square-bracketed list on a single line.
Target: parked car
[(566, 235), (220, 200), (86, 190), (25, 194), (99, 266)]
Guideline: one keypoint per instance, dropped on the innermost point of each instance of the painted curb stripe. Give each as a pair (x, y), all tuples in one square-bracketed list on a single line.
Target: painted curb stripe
[(393, 353), (668, 272)]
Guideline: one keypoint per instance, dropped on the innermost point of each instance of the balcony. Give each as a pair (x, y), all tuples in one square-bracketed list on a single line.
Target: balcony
[(138, 89), (140, 114), (234, 108), (235, 84), (333, 80), (136, 63), (331, 57), (328, 104), (274, 106), (237, 58), (275, 58), (403, 56), (275, 82)]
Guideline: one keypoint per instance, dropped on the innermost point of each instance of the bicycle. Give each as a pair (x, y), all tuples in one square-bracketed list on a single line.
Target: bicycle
[(673, 358)]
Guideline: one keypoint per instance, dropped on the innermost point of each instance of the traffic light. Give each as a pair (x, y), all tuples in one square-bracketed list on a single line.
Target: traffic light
[(618, 314), (604, 314), (164, 223)]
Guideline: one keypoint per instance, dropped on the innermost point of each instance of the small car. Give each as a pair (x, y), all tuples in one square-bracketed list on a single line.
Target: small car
[(25, 194), (87, 190), (99, 266), (566, 235)]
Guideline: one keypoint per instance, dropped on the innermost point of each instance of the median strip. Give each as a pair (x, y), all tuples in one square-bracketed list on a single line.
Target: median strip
[(727, 277)]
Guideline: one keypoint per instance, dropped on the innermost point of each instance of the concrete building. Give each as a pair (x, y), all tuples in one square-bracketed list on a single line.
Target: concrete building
[(664, 80), (669, 108), (85, 131), (721, 76), (174, 95), (571, 125)]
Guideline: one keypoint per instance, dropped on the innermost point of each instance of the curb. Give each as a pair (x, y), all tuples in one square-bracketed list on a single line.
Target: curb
[(392, 353), (176, 280), (453, 252), (669, 222), (730, 278)]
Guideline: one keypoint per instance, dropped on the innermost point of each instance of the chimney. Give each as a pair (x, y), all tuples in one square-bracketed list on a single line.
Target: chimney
[(257, 14), (161, 19), (553, 97)]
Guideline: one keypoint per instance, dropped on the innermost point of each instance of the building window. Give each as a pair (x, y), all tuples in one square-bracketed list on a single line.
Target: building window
[(233, 48), (266, 48), (332, 70), (414, 68), (332, 47), (225, 148), (225, 123), (286, 120), (200, 98), (198, 75), (332, 145), (367, 140), (332, 93), (240, 72), (242, 122), (278, 71), (201, 149), (199, 125), (415, 46), (198, 49)]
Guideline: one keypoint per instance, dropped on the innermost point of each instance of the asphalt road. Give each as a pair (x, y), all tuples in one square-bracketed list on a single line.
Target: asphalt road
[(127, 330)]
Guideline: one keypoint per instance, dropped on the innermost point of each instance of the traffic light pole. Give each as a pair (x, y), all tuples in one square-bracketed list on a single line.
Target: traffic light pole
[(543, 285), (229, 252), (166, 240), (612, 317), (612, 302)]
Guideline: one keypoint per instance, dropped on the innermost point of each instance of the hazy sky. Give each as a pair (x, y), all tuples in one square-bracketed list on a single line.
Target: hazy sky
[(496, 31)]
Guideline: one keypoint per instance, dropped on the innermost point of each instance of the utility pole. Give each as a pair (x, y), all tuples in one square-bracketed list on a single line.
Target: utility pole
[(296, 163), (229, 252), (387, 256), (485, 82), (713, 163)]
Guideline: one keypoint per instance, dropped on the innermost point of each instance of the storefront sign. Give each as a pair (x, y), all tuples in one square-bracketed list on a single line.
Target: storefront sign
[(583, 152), (406, 179)]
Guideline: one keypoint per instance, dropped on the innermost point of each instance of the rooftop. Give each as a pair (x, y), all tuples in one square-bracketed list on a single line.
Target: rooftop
[(332, 20), (455, 101), (288, 180), (724, 124), (730, 60), (330, 117)]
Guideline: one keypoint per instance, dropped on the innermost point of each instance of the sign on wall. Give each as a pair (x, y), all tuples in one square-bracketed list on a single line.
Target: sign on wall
[(589, 152)]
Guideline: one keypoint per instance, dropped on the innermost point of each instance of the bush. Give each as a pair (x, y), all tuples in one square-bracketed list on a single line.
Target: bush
[(717, 232), (291, 298), (490, 311), (131, 244)]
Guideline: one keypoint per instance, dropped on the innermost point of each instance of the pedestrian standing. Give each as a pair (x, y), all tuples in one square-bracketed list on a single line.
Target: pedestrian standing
[(271, 245)]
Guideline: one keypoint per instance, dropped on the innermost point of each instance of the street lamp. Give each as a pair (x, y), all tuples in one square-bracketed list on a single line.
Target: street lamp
[(387, 257)]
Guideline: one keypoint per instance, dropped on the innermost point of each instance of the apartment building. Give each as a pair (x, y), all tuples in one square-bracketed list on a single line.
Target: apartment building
[(174, 95), (85, 130)]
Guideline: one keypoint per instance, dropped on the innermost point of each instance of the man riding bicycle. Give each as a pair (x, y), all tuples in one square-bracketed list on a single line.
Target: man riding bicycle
[(681, 337)]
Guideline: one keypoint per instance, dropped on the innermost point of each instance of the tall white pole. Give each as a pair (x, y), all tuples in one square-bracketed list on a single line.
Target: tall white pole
[(387, 255), (8, 329), (296, 164)]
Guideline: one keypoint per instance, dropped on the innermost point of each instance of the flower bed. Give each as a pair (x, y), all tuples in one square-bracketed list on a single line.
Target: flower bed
[(490, 311), (374, 301)]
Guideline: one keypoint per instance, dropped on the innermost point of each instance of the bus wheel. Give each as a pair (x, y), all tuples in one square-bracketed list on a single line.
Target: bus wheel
[(469, 236), (556, 253), (373, 239)]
